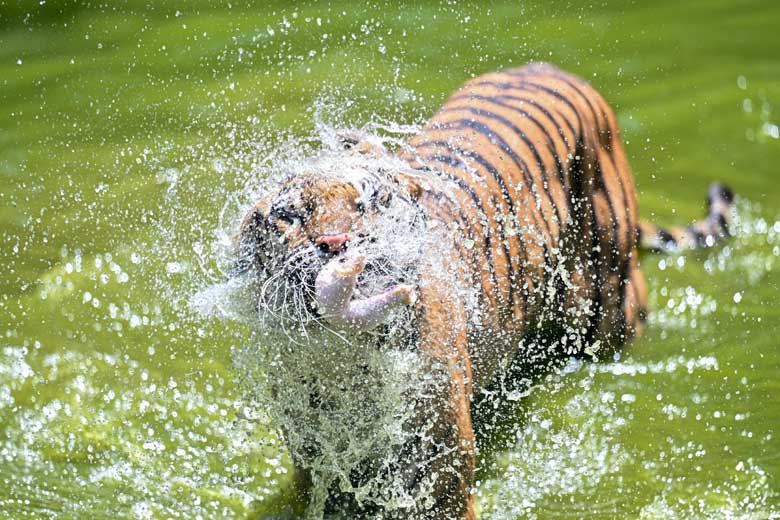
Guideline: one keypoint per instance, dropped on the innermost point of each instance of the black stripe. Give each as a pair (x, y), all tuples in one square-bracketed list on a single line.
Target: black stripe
[(622, 283), (568, 81), (439, 213), (446, 209), (519, 161), (457, 163), (466, 188), (485, 130), (495, 173), (723, 224), (522, 87), (698, 236), (548, 114), (595, 258), (665, 236), (614, 259), (533, 120), (574, 151), (531, 102), (481, 161), (635, 299), (523, 77), (598, 173), (515, 269)]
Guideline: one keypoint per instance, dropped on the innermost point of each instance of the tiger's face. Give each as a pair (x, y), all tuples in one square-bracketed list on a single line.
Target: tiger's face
[(290, 234)]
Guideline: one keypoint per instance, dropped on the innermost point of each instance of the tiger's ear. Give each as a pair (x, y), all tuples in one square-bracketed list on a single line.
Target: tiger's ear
[(411, 184), (360, 143)]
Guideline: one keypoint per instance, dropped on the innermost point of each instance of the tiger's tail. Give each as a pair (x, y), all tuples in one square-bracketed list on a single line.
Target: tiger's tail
[(703, 233)]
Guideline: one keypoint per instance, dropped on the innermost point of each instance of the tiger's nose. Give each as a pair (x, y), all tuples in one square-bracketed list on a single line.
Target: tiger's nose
[(333, 243)]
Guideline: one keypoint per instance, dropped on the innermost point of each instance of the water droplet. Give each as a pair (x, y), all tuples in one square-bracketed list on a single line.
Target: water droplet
[(771, 129), (174, 267)]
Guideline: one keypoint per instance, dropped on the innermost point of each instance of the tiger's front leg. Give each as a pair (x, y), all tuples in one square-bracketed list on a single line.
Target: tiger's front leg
[(441, 462), (447, 457)]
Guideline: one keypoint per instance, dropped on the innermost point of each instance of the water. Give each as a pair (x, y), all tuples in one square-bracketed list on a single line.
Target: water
[(131, 140)]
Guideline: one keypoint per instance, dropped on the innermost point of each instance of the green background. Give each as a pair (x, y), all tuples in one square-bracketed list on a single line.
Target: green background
[(132, 133)]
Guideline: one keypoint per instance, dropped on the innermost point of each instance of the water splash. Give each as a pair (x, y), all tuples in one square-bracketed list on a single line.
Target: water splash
[(547, 461), (346, 422), (171, 427)]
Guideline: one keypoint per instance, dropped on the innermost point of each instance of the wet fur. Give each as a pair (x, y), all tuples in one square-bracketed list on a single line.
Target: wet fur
[(531, 216)]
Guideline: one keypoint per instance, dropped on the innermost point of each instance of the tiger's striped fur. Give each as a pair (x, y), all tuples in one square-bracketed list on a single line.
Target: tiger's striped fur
[(538, 204), (538, 149), (540, 182), (703, 233)]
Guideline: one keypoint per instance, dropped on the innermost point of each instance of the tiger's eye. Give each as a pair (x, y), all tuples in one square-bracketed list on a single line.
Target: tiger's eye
[(286, 214)]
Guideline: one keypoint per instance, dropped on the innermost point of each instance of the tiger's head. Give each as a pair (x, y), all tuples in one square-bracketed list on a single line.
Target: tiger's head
[(357, 198)]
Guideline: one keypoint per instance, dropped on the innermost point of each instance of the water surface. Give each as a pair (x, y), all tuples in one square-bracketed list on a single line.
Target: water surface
[(132, 136)]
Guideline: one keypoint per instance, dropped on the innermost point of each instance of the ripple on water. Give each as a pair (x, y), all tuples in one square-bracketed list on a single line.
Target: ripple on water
[(149, 446), (148, 450), (579, 438)]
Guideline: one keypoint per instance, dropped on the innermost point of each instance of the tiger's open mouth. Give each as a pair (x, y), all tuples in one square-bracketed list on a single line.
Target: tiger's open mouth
[(286, 286), (342, 307)]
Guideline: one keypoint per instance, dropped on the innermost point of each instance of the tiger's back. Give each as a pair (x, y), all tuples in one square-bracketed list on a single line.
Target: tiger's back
[(540, 187)]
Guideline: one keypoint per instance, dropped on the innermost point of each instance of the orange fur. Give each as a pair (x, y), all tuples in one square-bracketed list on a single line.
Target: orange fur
[(530, 170)]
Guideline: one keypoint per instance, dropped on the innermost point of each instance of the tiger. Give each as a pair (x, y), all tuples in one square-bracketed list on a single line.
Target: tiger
[(522, 192)]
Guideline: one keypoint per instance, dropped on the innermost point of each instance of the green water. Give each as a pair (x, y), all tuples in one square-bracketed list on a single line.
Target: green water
[(129, 134)]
